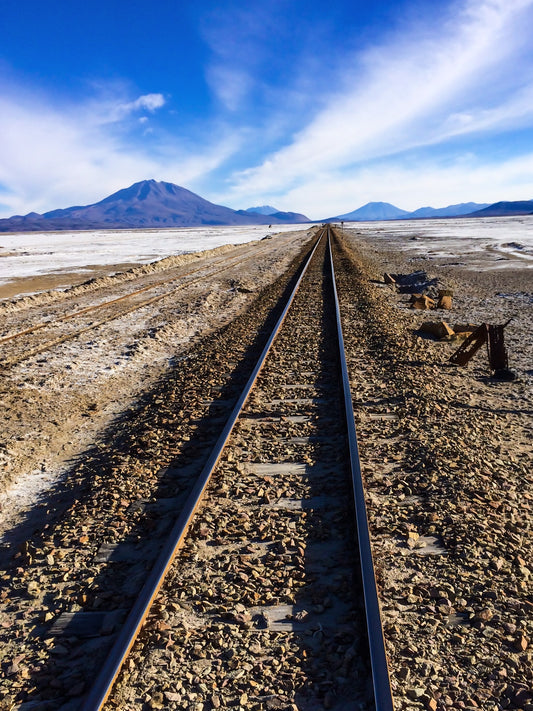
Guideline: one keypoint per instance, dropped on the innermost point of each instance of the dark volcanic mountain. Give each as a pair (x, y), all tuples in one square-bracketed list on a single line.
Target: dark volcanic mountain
[(146, 204), (505, 209)]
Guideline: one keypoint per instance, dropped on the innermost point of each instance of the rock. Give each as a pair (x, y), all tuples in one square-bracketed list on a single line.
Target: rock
[(445, 299), (412, 538), (33, 589), (422, 303), (416, 693), (13, 668), (173, 696), (439, 329), (521, 643)]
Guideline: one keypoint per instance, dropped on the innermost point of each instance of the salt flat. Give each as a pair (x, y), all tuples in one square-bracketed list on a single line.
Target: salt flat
[(65, 258), (96, 252), (491, 242)]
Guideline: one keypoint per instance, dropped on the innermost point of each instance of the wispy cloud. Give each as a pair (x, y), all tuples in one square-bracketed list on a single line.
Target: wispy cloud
[(150, 102), (56, 154), (419, 89), (410, 185), (230, 85)]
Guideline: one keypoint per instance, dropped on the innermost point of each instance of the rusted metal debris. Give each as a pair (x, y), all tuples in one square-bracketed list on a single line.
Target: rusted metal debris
[(497, 353), (493, 336), (421, 302), (421, 288), (470, 347), (439, 329)]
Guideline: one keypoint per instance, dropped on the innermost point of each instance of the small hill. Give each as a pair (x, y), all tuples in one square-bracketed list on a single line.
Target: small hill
[(262, 210)]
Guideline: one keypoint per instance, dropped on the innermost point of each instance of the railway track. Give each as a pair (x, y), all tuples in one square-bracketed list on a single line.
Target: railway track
[(275, 540), (20, 345), (262, 605)]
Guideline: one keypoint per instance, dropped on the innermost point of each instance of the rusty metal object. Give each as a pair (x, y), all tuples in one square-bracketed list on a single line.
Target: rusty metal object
[(496, 348), (421, 302), (493, 336), (437, 329), (471, 346)]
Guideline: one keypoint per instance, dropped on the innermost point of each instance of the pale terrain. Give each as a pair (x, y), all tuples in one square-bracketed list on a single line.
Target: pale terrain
[(56, 403), (448, 475)]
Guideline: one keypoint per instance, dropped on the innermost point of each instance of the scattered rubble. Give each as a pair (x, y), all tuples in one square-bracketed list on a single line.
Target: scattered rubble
[(415, 283), (445, 299)]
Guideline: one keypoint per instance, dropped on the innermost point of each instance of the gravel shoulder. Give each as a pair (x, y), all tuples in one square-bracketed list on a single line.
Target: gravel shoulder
[(447, 471)]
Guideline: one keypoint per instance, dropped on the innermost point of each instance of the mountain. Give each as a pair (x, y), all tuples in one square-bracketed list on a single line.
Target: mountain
[(262, 210), (146, 204), (372, 211), (505, 209), (287, 218), (464, 208)]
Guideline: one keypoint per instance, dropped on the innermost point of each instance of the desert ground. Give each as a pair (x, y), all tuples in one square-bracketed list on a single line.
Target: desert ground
[(449, 504)]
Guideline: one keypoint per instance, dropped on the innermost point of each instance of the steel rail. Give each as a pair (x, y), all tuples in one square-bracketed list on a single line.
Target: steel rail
[(14, 360), (376, 642), (104, 682)]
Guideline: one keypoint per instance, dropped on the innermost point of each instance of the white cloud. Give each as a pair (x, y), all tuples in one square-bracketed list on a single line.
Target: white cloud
[(150, 102), (420, 183), (54, 156), (112, 106), (230, 85), (419, 90)]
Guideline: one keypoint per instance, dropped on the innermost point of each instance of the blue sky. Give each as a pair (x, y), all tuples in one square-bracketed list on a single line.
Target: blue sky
[(309, 106)]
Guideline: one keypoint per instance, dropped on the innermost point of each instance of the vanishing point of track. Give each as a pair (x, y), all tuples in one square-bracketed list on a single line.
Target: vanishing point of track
[(313, 496)]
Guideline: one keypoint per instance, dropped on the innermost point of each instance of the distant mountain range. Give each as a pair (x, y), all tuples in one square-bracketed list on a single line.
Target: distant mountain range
[(385, 211), (152, 204), (503, 209), (145, 204)]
